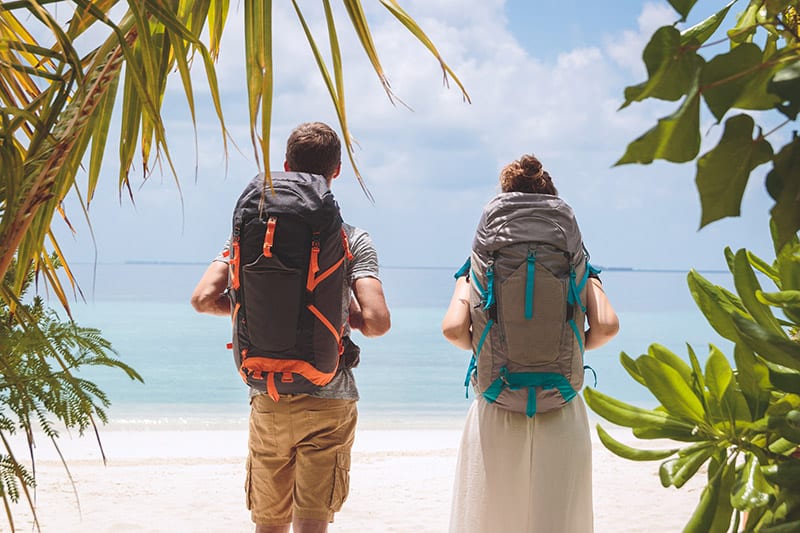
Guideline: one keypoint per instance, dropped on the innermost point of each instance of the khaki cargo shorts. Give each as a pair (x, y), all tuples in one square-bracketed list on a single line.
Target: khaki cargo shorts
[(299, 457)]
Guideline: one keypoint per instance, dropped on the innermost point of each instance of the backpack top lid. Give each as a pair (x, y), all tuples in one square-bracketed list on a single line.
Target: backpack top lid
[(299, 193), (517, 217)]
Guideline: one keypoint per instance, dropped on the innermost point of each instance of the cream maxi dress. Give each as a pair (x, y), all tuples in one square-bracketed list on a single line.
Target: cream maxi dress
[(517, 474)]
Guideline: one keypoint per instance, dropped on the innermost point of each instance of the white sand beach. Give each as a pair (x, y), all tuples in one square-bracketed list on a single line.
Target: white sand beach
[(176, 481)]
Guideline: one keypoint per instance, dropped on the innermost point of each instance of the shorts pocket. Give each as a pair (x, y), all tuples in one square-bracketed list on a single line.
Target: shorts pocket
[(341, 481), (248, 485)]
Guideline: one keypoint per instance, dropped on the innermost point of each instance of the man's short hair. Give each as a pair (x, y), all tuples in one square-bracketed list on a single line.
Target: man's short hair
[(315, 148)]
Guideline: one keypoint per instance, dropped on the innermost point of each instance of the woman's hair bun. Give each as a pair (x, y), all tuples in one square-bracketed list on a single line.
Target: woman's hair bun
[(526, 174)]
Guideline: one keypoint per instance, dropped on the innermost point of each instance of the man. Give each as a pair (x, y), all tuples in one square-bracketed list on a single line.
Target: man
[(299, 447)]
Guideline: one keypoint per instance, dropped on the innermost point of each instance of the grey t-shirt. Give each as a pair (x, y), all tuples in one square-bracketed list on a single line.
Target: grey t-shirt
[(363, 265)]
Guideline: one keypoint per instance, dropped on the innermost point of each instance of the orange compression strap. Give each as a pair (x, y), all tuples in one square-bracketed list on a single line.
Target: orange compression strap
[(271, 389), (234, 263), (312, 283), (269, 236), (313, 263), (346, 246), (325, 322), (271, 366)]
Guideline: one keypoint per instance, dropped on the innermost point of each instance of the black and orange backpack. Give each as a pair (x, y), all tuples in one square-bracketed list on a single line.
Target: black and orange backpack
[(288, 259)]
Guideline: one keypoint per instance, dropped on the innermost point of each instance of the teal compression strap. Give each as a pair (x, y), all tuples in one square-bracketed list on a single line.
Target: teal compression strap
[(473, 364), (587, 367), (529, 380), (574, 296), (463, 270), (529, 279), (489, 286), (489, 324), (474, 279), (577, 333), (530, 407)]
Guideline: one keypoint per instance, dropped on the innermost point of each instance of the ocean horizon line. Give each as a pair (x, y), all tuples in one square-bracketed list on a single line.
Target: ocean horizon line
[(603, 268)]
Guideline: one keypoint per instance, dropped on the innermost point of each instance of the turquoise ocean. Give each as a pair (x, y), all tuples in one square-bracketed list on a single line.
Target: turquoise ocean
[(411, 377)]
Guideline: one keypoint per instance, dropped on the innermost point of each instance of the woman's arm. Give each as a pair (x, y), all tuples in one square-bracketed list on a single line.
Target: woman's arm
[(456, 326), (601, 317)]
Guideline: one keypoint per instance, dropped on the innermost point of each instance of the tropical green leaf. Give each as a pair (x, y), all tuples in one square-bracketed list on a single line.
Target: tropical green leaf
[(100, 136), (669, 432), (780, 445), (725, 397), (633, 454), (763, 267), (359, 19), (703, 516), (700, 33), (751, 489), (629, 364), (715, 304), (783, 184), (676, 472), (787, 425), (784, 379), (258, 51), (747, 286), (746, 25), (779, 299), (217, 16), (775, 7), (725, 77), (788, 301), (697, 373), (788, 264), (669, 388), (786, 85), (675, 138), (754, 95), (786, 527), (724, 509), (774, 348), (627, 415), (682, 7), (723, 172), (672, 68), (663, 354), (752, 376), (394, 8), (785, 474)]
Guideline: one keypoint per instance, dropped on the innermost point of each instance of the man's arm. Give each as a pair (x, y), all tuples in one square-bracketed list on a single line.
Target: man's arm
[(602, 319), (369, 313), (208, 296)]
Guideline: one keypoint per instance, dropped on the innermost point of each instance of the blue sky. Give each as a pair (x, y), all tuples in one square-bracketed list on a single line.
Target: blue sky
[(545, 78)]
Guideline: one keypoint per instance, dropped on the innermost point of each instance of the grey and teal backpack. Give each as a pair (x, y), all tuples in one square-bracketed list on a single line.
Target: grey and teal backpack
[(288, 259), (528, 272)]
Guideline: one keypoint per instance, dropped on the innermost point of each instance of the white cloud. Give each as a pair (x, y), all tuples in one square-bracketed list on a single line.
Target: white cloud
[(432, 169), (626, 49)]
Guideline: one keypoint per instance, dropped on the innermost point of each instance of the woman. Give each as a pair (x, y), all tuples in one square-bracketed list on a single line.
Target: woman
[(520, 473)]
